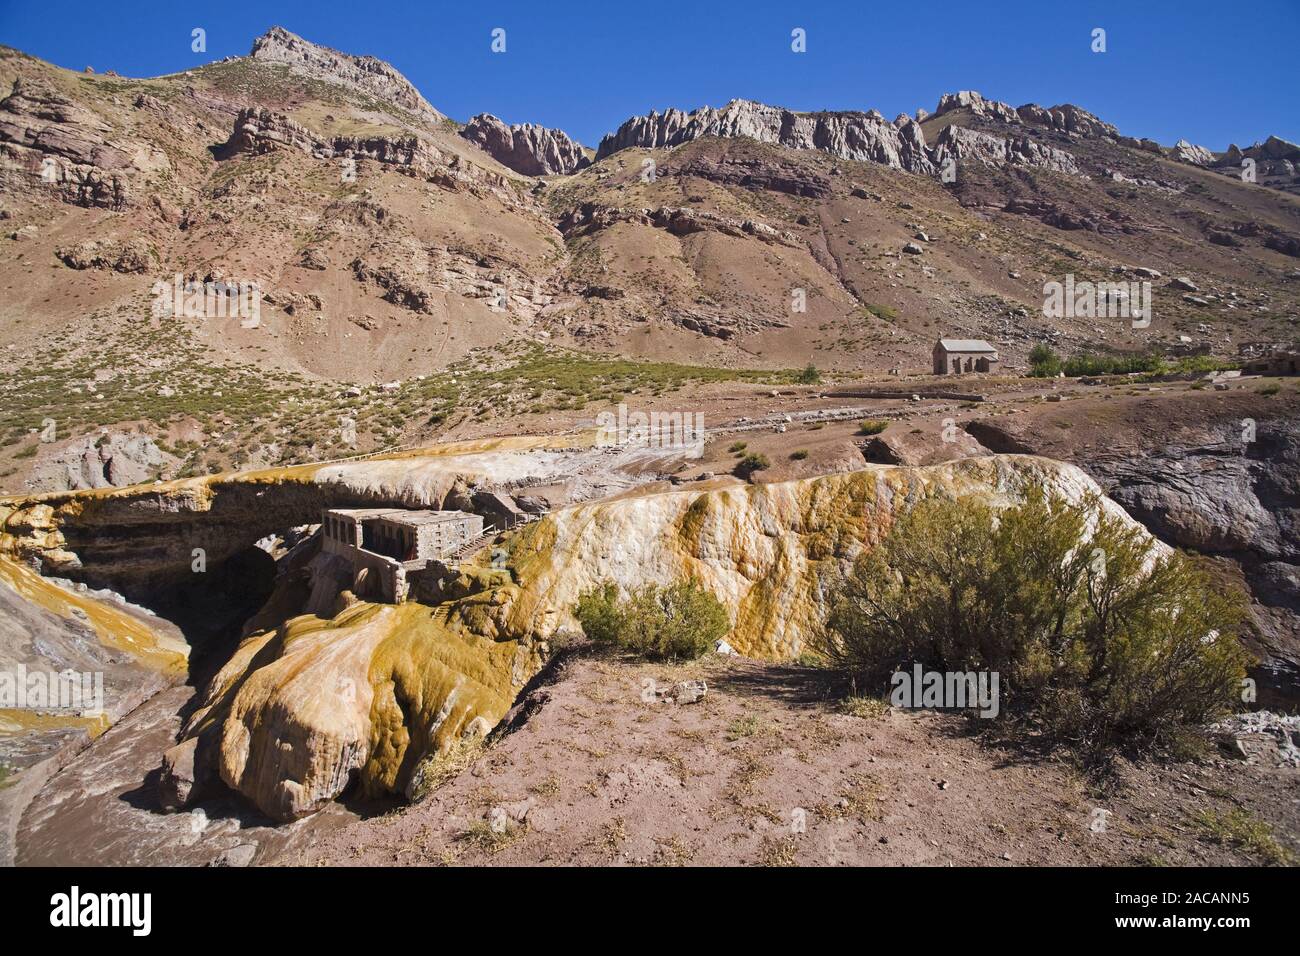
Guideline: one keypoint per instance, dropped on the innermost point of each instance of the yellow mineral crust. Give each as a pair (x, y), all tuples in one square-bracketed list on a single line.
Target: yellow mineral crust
[(113, 626), (765, 550), (308, 704), (370, 692)]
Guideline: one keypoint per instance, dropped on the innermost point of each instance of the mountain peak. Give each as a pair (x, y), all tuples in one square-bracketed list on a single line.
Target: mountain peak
[(374, 76)]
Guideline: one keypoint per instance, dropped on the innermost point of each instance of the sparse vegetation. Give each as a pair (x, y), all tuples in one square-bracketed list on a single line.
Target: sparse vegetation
[(1045, 363), (482, 835), (679, 622), (799, 454), (1240, 828), (872, 426), (750, 464), (1097, 640)]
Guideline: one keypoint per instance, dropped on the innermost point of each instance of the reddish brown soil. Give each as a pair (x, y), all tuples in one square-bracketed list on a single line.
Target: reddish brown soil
[(598, 776)]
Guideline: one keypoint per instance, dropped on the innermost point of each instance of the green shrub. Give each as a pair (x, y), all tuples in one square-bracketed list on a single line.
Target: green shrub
[(872, 426), (737, 447), (809, 375), (1043, 362), (750, 464), (799, 455), (681, 621), (1094, 639)]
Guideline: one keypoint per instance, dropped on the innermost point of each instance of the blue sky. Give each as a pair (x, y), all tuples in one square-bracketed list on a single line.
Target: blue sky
[(1211, 72)]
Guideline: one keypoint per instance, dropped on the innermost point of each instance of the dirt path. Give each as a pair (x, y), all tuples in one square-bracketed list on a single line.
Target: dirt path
[(768, 770)]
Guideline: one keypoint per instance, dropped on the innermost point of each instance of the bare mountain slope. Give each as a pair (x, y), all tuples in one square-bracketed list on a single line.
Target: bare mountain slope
[(385, 245)]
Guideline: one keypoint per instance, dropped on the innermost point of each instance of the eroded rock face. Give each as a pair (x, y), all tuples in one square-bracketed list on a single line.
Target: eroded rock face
[(375, 76), (1067, 118), (1186, 152), (867, 137), (102, 461), (848, 135), (525, 147), (1204, 487), (259, 130), (309, 703), (679, 221), (967, 145), (976, 104), (49, 627), (767, 551), (131, 256), (65, 144), (792, 178)]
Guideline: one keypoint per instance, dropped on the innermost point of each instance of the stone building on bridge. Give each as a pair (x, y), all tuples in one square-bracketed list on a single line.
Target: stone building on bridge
[(385, 545)]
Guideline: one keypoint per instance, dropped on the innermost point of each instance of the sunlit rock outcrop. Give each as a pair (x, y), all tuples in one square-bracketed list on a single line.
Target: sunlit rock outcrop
[(768, 551), (356, 694)]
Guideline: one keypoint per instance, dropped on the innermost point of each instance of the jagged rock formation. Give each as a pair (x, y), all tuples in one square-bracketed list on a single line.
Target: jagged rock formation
[(259, 130), (859, 136), (791, 178), (967, 145), (678, 221), (1275, 160), (131, 256), (525, 147), (1067, 118), (869, 136), (279, 46), (64, 144), (1186, 152), (977, 105)]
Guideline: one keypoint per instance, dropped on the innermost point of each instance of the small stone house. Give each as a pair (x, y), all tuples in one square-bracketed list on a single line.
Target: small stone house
[(384, 545), (955, 356)]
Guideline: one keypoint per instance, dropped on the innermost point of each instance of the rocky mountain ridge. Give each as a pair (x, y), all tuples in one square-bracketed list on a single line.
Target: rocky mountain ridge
[(279, 46), (526, 147)]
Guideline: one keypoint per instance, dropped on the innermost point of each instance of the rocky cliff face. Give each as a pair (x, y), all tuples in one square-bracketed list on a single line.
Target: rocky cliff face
[(279, 46), (259, 130), (869, 136), (859, 136), (1065, 118), (64, 144), (963, 145), (525, 147), (49, 627)]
